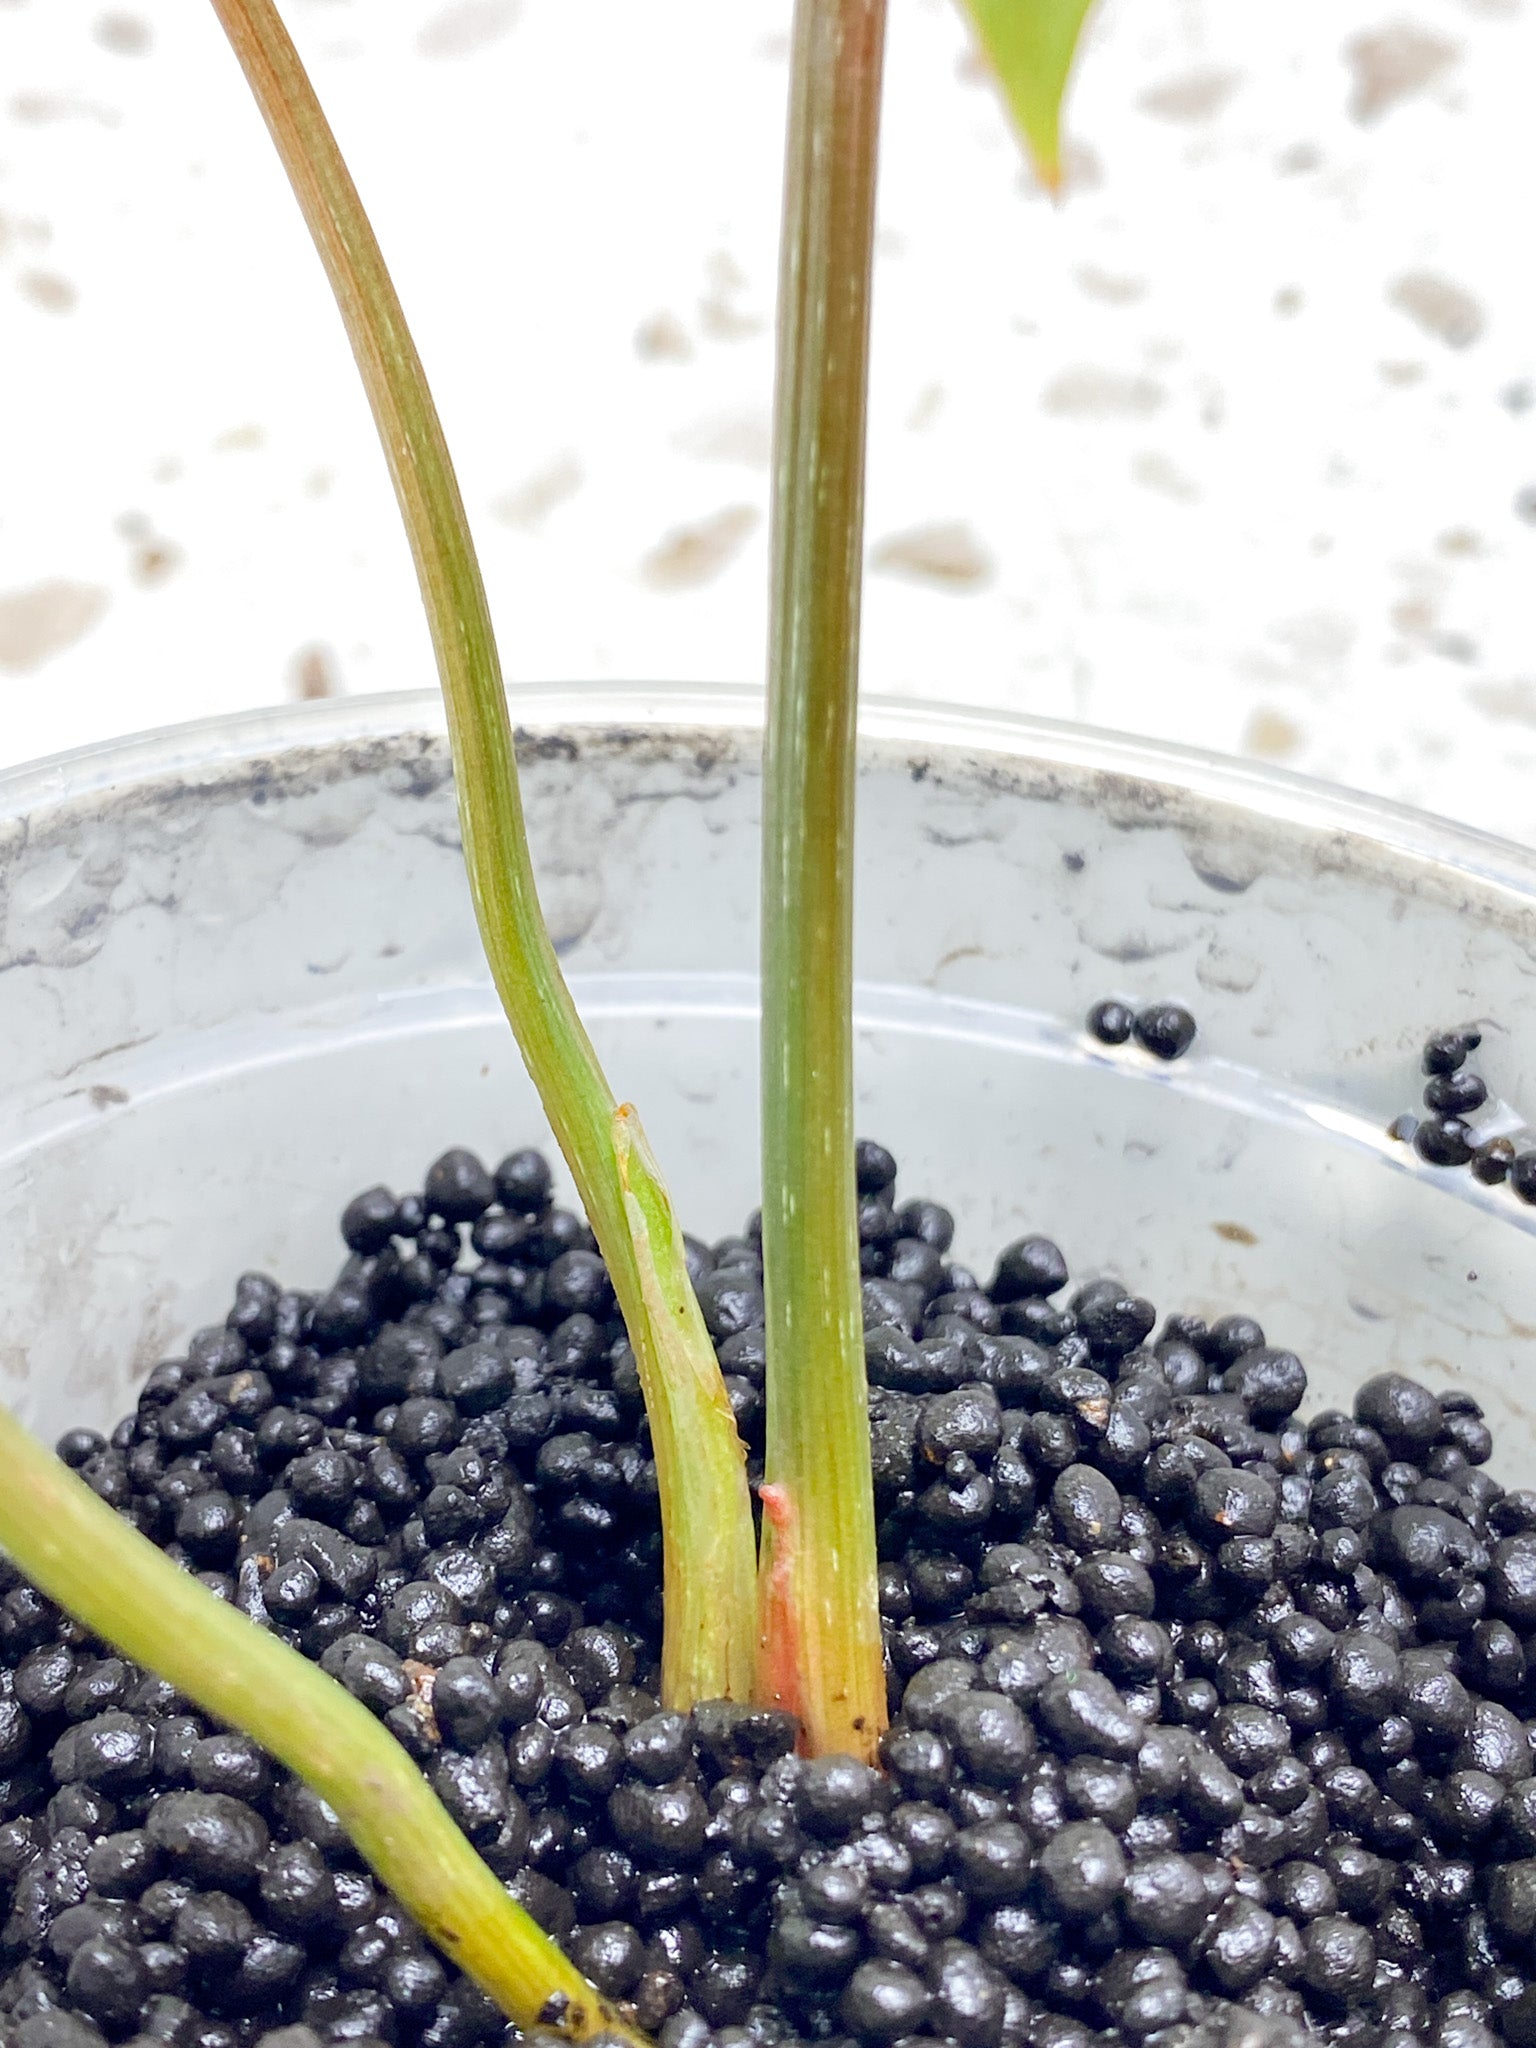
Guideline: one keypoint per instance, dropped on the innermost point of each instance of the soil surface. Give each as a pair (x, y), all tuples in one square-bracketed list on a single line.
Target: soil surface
[(1208, 1725)]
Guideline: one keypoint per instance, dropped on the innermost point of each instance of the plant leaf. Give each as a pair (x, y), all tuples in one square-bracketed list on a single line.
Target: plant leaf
[(116, 1583), (1030, 44)]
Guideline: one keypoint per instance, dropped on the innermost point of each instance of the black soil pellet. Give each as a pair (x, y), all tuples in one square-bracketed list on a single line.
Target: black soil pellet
[(1453, 1094), (1491, 1162), (1210, 1728), (1166, 1030), (1111, 1022), (1444, 1141), (1446, 1051)]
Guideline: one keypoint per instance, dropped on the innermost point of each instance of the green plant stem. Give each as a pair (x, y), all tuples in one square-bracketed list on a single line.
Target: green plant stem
[(113, 1580), (709, 1560), (819, 1628)]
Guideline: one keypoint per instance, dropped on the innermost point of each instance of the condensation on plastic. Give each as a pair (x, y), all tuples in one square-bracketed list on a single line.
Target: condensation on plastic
[(239, 980)]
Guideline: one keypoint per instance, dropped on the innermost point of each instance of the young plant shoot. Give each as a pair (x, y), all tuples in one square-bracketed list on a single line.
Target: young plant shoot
[(820, 1649), (820, 1629), (700, 1461), (806, 1633)]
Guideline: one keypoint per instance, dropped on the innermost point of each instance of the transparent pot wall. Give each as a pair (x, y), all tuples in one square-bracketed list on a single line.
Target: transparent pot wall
[(239, 980)]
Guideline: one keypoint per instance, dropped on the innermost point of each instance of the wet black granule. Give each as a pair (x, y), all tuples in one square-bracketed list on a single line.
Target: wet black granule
[(1444, 1141), (1166, 1030), (1111, 1022), (1209, 1726), (1452, 1095), (1492, 1161), (1445, 1052)]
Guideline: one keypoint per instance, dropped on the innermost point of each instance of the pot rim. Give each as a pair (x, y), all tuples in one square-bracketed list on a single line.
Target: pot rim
[(1275, 794)]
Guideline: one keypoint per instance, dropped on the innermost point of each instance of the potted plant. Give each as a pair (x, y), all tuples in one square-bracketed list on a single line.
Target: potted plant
[(1040, 1891)]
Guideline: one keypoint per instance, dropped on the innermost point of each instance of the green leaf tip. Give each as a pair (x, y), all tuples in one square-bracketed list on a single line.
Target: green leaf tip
[(117, 1584), (1031, 44)]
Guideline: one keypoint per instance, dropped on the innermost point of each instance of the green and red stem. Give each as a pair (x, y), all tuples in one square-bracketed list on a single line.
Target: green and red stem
[(819, 1651)]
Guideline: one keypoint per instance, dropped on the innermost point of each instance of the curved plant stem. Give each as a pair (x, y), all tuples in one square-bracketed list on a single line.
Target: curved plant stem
[(819, 1625), (703, 1493), (708, 1645), (113, 1580)]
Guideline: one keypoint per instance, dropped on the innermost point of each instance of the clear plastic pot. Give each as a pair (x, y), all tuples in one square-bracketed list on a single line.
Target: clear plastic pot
[(239, 980)]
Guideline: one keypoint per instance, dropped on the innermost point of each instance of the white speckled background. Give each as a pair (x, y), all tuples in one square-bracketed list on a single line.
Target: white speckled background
[(1236, 446)]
